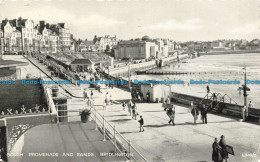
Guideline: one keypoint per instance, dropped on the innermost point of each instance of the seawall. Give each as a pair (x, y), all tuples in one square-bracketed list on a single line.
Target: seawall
[(229, 108)]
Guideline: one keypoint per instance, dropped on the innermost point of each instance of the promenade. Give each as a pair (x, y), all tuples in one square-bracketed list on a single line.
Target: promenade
[(183, 142)]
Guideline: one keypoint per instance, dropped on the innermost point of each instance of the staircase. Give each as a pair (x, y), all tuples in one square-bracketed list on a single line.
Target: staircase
[(214, 101)]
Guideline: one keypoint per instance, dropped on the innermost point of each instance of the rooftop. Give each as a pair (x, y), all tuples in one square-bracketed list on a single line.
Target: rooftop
[(82, 61)]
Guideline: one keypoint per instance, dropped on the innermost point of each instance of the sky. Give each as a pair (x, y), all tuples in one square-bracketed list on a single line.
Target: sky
[(179, 20)]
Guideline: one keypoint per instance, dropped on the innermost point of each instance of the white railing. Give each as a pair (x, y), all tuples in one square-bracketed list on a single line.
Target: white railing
[(49, 100), (109, 132), (120, 143)]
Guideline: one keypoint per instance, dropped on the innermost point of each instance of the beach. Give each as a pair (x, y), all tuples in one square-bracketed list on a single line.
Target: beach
[(215, 68)]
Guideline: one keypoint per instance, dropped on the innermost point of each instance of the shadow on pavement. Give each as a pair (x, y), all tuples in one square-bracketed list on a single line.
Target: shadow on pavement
[(120, 120), (157, 126), (129, 132), (154, 111), (117, 115)]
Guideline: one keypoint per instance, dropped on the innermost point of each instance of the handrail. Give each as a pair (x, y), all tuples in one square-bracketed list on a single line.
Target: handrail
[(230, 98), (117, 134), (109, 130), (207, 95)]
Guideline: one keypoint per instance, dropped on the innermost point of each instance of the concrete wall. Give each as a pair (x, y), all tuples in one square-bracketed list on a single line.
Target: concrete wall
[(142, 66)]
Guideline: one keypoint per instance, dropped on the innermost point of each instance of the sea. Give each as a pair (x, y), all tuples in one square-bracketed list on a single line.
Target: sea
[(225, 67)]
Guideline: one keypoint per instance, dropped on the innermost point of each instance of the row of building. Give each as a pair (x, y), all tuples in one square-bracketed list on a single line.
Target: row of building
[(25, 35), (142, 48), (220, 45), (134, 48)]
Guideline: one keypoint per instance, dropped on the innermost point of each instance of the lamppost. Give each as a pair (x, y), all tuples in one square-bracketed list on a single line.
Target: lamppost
[(245, 89)]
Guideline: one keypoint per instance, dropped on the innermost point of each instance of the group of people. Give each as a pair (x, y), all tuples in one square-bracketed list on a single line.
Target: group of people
[(88, 99), (132, 109), (137, 95), (170, 111), (219, 153), (195, 113), (108, 100)]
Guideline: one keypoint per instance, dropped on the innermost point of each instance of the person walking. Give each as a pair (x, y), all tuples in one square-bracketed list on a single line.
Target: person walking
[(124, 105), (148, 96), (208, 90), (171, 113), (85, 94), (107, 98), (222, 144), (111, 101), (129, 105), (134, 107), (141, 121), (91, 94), (195, 113), (191, 106), (204, 114), (141, 96), (216, 153), (104, 105)]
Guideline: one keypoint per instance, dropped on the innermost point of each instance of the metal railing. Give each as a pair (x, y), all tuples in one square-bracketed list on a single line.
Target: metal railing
[(121, 144), (219, 97)]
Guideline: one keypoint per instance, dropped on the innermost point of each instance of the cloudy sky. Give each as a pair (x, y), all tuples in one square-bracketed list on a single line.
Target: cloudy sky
[(180, 20)]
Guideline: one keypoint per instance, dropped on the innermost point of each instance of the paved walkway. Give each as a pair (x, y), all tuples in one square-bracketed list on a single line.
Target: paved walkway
[(71, 142), (183, 142)]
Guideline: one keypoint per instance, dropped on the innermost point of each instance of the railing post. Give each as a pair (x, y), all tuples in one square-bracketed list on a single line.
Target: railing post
[(57, 109), (129, 151), (104, 129), (115, 138), (230, 99), (223, 98)]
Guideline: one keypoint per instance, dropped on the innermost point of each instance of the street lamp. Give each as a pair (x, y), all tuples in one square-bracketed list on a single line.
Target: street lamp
[(245, 89)]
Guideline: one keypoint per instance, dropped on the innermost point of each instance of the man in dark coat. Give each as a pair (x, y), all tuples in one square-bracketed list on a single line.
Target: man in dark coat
[(204, 114), (222, 144), (216, 153), (148, 96), (171, 113), (141, 121)]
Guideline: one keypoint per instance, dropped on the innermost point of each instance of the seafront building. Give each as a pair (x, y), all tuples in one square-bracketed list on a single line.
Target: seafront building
[(25, 35), (106, 42), (141, 48)]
